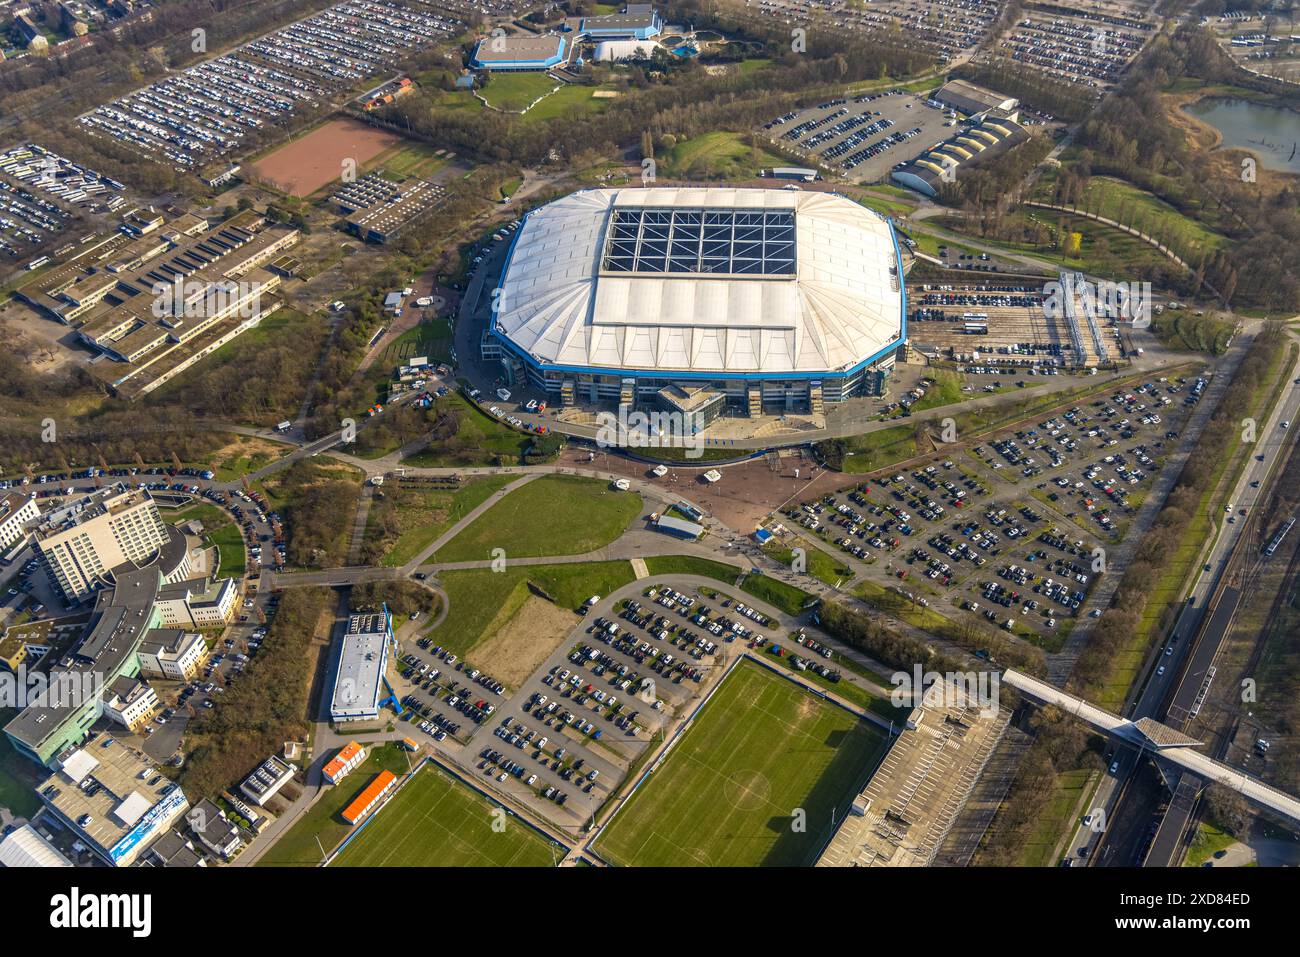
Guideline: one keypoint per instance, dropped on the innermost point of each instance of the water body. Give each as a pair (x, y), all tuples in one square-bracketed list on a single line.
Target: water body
[(1270, 132)]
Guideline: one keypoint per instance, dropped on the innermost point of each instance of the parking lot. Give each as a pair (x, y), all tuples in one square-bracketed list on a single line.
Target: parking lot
[(1011, 533), (990, 327), (946, 28), (568, 736), (42, 194), (1083, 47), (862, 137), (202, 113)]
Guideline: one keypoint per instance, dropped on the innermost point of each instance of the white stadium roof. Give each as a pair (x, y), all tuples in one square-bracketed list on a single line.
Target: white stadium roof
[(724, 281)]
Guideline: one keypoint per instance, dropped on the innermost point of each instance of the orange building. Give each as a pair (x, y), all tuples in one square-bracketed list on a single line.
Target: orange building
[(350, 756), (383, 783)]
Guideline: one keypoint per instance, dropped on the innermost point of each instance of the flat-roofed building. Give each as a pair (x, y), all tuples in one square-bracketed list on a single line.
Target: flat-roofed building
[(349, 758), (113, 798), (524, 52), (638, 21), (172, 653), (198, 602), (266, 780), (17, 513), (359, 682), (373, 794), (130, 702), (82, 540)]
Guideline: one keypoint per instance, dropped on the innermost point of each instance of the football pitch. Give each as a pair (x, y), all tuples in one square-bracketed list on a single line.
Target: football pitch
[(727, 794), (436, 821)]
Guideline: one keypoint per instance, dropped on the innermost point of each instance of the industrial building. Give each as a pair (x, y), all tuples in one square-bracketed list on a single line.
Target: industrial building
[(970, 147), (638, 21), (359, 681), (377, 208), (773, 300), (168, 294), (113, 798), (523, 52), (266, 780), (27, 847), (973, 101)]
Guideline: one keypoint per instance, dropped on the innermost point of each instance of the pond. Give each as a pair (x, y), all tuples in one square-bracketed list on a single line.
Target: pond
[(1270, 132)]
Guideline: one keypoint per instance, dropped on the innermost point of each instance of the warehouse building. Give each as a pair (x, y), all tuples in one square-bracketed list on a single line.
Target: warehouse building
[(525, 52), (776, 300), (973, 101), (638, 21), (359, 681), (979, 144)]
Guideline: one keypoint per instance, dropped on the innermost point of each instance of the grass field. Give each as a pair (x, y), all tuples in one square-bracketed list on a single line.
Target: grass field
[(515, 91), (321, 829), (436, 821), (230, 541), (820, 565), (720, 155), (779, 594), (727, 793), (692, 565), (871, 451), (419, 515), (481, 601), (551, 515)]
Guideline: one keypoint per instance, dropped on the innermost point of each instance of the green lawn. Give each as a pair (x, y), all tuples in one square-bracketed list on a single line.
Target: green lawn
[(820, 564), (321, 827), (419, 515), (872, 450), (480, 600), (692, 565), (551, 515), (18, 778), (437, 821), (1209, 839), (727, 793), (515, 91), (714, 156), (230, 540), (788, 598)]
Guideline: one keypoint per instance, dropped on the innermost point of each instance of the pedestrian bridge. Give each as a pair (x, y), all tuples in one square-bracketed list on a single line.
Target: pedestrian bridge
[(1163, 741)]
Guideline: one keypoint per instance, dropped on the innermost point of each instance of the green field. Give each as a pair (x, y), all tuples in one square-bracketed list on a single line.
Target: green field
[(419, 515), (230, 540), (321, 829), (436, 821), (777, 593), (480, 600), (551, 515), (692, 565), (513, 92), (819, 564), (726, 794), (713, 156), (872, 450)]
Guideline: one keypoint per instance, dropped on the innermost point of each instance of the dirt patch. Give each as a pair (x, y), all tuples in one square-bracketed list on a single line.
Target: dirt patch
[(516, 650), (316, 159)]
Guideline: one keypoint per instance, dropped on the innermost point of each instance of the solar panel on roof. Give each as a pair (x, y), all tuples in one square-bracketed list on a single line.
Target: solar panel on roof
[(698, 241)]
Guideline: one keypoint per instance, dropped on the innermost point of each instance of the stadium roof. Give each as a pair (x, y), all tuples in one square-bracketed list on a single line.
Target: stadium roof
[(698, 280)]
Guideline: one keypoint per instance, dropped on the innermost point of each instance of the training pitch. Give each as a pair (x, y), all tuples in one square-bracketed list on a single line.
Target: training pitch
[(727, 794), (436, 821)]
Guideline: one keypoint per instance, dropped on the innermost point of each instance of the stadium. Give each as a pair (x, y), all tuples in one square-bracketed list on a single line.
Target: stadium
[(758, 301)]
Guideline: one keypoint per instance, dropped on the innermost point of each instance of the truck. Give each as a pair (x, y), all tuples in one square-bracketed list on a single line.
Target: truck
[(284, 426)]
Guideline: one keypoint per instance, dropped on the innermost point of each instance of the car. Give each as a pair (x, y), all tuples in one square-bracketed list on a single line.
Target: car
[(1286, 423), (1160, 671), (1114, 767)]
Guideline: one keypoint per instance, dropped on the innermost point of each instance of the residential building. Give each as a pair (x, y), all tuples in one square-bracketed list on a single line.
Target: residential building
[(214, 830), (17, 512), (173, 849)]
